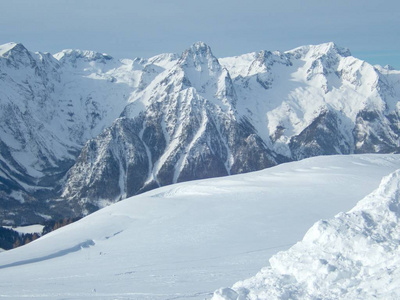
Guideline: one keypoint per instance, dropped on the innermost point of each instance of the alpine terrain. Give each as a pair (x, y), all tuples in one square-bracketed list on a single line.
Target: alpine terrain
[(80, 130), (186, 240)]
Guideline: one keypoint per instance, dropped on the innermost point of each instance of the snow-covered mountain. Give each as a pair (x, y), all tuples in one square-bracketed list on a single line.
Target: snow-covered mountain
[(355, 255), (182, 126), (80, 130), (186, 240), (50, 107)]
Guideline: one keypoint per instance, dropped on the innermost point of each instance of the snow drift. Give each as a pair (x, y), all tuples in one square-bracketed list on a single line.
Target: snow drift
[(186, 240), (355, 255)]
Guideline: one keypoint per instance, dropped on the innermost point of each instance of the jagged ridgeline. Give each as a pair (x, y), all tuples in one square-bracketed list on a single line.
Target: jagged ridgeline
[(80, 130)]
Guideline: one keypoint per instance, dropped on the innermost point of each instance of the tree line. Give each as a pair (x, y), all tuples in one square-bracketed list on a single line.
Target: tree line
[(10, 239)]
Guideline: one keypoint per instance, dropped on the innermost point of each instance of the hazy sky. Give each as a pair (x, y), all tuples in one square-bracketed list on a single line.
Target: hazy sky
[(130, 28)]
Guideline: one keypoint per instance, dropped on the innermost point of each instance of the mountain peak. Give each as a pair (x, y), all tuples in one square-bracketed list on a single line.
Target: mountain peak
[(331, 46), (320, 50), (6, 50), (73, 55), (389, 67), (200, 47), (199, 54), (198, 50)]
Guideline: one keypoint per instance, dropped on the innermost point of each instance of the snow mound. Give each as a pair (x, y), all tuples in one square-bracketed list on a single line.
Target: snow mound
[(355, 255)]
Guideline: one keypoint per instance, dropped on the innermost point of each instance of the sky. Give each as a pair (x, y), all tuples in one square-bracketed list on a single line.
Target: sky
[(137, 28)]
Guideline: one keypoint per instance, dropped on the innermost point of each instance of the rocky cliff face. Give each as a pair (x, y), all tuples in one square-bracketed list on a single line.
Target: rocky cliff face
[(80, 130), (50, 107), (186, 127)]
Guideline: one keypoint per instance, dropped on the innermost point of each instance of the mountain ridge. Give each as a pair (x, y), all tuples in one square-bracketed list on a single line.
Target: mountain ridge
[(170, 118)]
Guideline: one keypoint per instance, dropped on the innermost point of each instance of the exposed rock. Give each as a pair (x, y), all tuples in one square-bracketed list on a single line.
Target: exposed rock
[(80, 130)]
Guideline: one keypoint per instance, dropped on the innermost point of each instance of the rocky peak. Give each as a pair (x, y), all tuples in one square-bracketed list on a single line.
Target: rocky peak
[(268, 58), (389, 67), (318, 51), (72, 56), (265, 60), (16, 55), (332, 48), (200, 56), (11, 49)]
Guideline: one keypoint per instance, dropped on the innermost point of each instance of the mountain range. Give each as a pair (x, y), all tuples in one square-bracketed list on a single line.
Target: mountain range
[(80, 130)]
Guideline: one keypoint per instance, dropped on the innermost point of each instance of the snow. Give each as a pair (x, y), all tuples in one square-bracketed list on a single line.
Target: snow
[(303, 82), (6, 47), (354, 255), (52, 105), (75, 95), (186, 240), (183, 159), (27, 229), (56, 108), (17, 195), (166, 60)]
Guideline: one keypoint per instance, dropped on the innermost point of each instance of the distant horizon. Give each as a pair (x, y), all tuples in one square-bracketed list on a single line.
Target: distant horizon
[(377, 58), (128, 29)]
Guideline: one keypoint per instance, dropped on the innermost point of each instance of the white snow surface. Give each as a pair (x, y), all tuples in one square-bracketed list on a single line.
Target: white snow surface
[(186, 240), (6, 47), (355, 255), (290, 89), (37, 228)]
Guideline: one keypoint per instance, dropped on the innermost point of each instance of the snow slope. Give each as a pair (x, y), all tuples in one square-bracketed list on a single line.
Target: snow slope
[(355, 255), (186, 240)]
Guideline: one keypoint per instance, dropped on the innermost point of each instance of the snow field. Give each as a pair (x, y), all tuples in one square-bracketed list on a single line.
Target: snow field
[(186, 240), (354, 255)]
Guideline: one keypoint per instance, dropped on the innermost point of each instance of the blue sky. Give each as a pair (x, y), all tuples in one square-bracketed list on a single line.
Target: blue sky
[(130, 28)]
